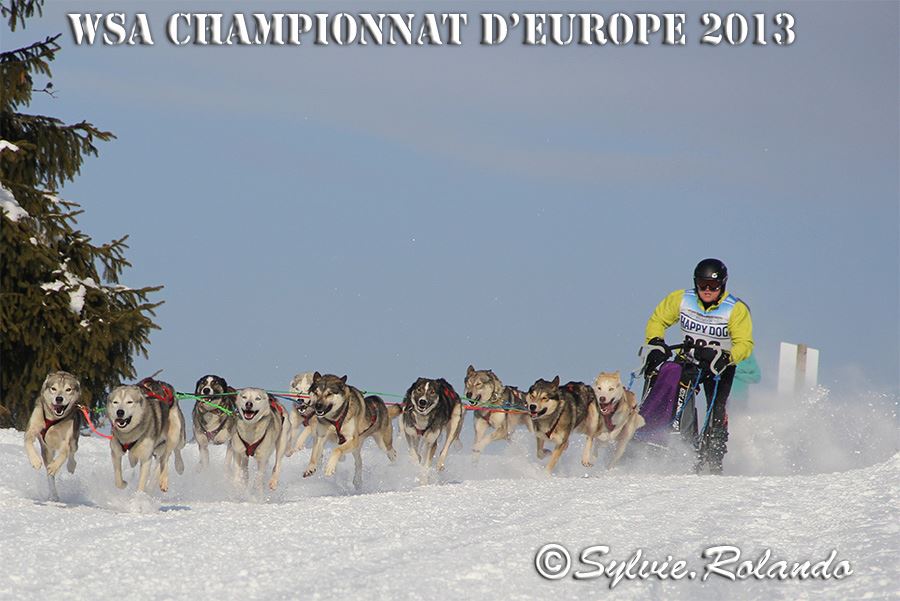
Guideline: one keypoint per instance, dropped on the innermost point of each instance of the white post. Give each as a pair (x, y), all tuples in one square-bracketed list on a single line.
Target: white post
[(798, 368)]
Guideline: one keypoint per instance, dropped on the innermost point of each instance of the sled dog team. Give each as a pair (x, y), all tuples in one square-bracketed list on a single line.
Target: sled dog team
[(147, 422)]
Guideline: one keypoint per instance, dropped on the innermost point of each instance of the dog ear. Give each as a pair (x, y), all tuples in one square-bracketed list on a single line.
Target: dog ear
[(470, 370), (407, 398), (344, 379), (316, 376), (555, 381)]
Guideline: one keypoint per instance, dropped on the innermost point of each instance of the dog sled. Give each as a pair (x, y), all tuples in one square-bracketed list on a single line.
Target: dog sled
[(668, 405)]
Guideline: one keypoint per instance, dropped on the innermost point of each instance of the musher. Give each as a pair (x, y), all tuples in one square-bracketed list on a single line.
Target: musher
[(718, 335)]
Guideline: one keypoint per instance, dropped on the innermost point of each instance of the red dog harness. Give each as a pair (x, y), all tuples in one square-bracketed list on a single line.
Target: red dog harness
[(49, 423), (250, 449), (168, 392), (340, 421)]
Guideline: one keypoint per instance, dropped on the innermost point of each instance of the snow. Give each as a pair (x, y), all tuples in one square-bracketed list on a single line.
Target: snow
[(76, 299), (10, 206), (7, 145), (830, 483), (75, 286)]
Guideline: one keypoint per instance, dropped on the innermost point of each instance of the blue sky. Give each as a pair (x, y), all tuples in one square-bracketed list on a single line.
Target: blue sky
[(391, 213)]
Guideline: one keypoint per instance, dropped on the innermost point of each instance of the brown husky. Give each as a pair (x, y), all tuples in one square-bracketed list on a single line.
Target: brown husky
[(557, 411), (483, 387), (345, 416)]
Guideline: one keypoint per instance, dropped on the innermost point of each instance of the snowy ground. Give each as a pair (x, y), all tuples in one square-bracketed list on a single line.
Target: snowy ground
[(803, 479)]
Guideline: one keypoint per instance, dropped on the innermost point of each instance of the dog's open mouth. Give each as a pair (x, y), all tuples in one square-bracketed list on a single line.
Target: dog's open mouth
[(59, 409), (248, 414), (320, 411), (122, 422), (607, 408), (535, 414)]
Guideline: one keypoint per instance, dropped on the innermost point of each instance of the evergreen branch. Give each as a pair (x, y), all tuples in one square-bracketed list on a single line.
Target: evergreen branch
[(16, 11), (58, 149), (16, 68)]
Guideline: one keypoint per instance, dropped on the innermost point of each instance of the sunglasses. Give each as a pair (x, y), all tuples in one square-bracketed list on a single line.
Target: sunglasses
[(709, 285)]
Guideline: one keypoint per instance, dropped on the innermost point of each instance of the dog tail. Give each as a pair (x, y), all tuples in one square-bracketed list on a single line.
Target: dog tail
[(394, 410)]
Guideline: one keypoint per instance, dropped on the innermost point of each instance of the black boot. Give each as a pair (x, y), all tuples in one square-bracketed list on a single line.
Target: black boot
[(716, 447)]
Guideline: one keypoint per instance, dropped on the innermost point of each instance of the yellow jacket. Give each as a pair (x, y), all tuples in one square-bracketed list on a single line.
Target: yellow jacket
[(740, 326)]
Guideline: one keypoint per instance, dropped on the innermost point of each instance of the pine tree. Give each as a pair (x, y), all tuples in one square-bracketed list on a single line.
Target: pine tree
[(57, 310)]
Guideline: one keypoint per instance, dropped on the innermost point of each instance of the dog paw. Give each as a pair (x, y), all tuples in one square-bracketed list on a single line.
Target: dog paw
[(273, 483), (71, 466), (52, 469), (587, 464), (164, 487), (309, 472), (36, 463), (288, 452), (542, 453), (121, 484), (329, 470), (392, 455)]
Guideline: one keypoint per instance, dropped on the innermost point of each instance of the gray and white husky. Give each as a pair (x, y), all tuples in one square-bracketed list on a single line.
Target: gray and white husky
[(142, 428), (260, 432), (55, 422)]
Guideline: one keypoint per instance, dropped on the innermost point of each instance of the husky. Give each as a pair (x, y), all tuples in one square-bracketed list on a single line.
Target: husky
[(142, 427), (431, 408), (348, 418), (302, 414), (211, 419), (55, 422), (483, 387), (165, 394), (557, 412), (259, 432), (618, 416)]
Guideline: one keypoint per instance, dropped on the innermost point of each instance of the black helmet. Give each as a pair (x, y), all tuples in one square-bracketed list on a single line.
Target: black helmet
[(711, 269)]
